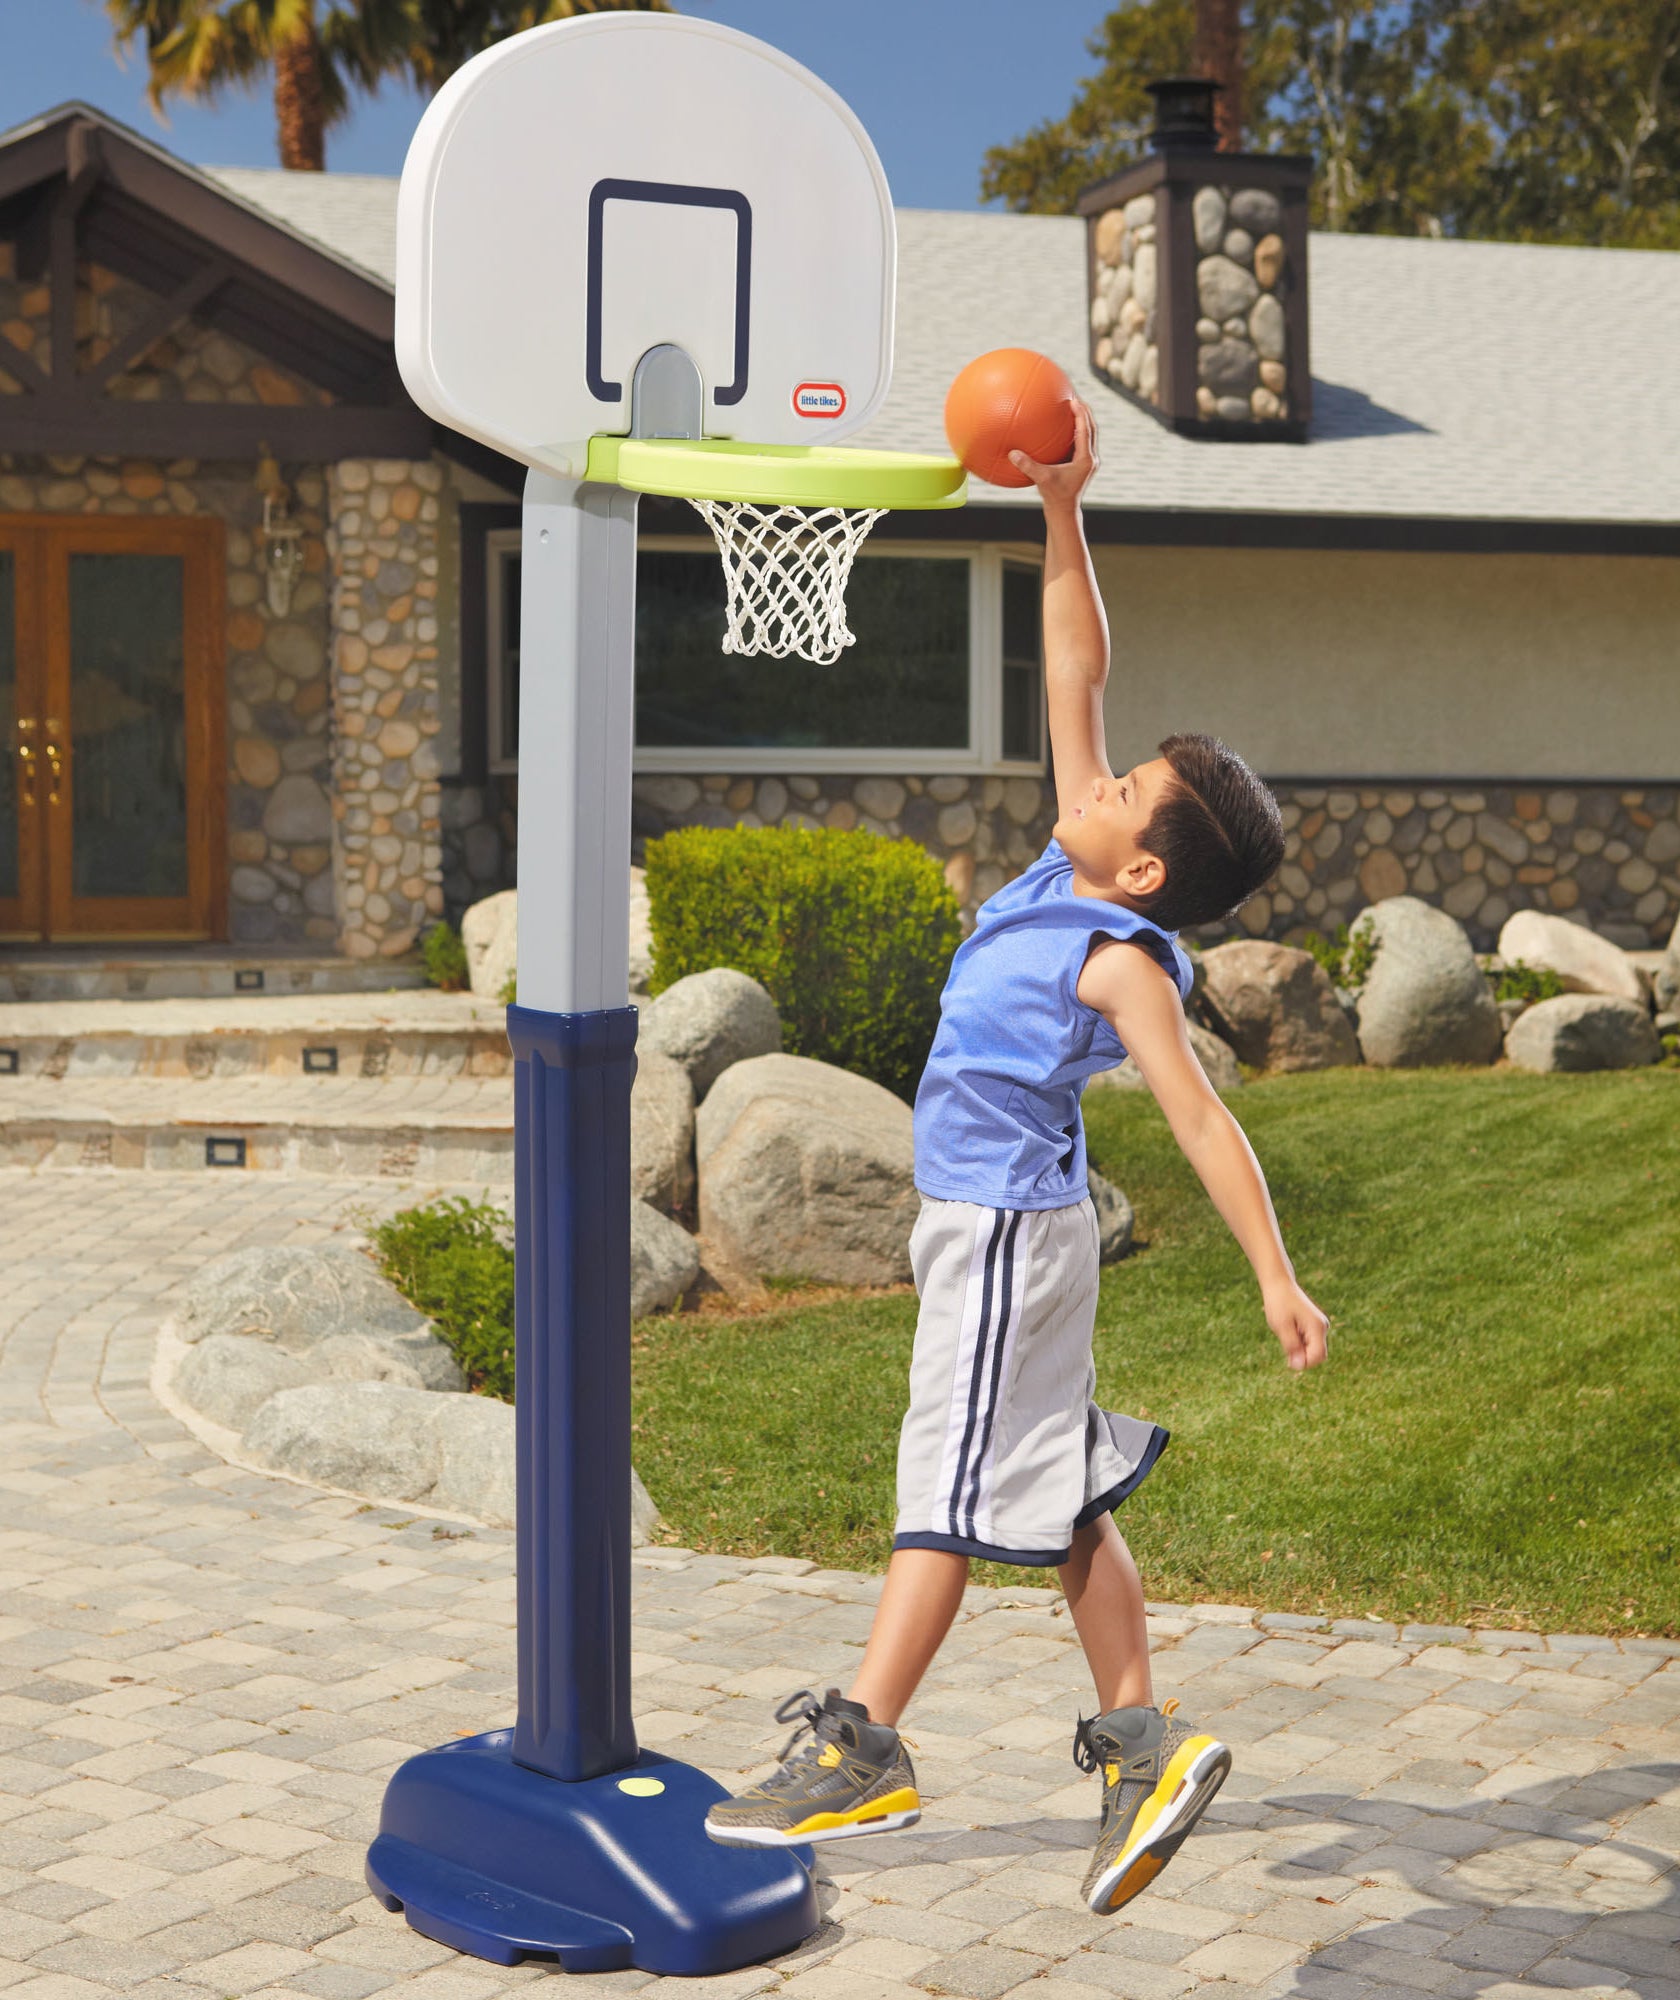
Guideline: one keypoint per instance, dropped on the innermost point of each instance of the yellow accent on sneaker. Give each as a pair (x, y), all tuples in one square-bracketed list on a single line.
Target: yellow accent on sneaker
[(1111, 1774), (830, 1756), (905, 1799)]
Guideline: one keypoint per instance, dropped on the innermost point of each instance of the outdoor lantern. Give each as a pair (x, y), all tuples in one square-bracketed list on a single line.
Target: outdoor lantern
[(282, 538), (1197, 278)]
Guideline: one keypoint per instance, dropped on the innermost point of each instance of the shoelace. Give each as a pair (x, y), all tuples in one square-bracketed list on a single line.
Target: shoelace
[(810, 1713), (1085, 1751), (810, 1717)]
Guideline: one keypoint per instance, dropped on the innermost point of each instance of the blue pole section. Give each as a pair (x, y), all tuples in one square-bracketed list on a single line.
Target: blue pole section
[(572, 1371)]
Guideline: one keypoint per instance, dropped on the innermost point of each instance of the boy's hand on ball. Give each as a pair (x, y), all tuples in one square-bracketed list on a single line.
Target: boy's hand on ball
[(1067, 481), (1303, 1331)]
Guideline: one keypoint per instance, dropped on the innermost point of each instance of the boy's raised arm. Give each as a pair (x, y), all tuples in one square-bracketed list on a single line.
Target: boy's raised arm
[(1075, 626)]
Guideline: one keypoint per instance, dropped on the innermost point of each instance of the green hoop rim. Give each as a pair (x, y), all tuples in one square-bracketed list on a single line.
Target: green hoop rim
[(777, 475)]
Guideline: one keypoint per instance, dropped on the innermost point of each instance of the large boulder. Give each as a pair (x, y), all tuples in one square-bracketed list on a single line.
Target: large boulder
[(1114, 1218), (490, 932), (1425, 999), (379, 1438), (1584, 1031), (710, 1020), (229, 1376), (1276, 1006), (1218, 1059), (452, 1452), (321, 1296), (1665, 981), (1584, 963), (641, 936), (807, 1171), (664, 1260), (662, 1133)]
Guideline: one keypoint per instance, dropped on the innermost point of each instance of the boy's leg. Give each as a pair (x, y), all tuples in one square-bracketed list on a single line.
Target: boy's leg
[(1105, 1597), (1159, 1772), (920, 1598)]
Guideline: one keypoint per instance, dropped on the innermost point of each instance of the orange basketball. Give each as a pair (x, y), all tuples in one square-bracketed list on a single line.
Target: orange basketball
[(1009, 400)]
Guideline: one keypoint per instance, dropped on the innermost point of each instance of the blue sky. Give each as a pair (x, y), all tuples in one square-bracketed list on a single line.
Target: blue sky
[(935, 81)]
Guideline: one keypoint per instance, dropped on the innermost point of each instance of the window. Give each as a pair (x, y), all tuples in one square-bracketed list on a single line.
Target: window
[(945, 673)]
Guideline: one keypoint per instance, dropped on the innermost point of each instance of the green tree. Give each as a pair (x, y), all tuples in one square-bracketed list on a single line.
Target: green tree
[(1539, 120), (1575, 110), (320, 51)]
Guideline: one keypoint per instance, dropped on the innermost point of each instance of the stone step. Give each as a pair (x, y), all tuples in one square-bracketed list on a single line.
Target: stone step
[(360, 1035), (434, 1128), (192, 971)]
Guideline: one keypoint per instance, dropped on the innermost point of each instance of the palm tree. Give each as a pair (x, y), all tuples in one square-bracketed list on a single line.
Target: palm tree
[(321, 51)]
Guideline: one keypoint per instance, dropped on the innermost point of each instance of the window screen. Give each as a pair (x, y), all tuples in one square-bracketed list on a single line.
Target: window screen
[(902, 686), (1023, 664)]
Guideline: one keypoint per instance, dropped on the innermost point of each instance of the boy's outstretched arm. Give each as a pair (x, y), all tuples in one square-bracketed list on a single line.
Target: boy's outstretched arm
[(1075, 625), (1124, 984)]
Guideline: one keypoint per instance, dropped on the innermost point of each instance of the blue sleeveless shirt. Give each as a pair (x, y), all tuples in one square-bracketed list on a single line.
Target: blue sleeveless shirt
[(997, 1113)]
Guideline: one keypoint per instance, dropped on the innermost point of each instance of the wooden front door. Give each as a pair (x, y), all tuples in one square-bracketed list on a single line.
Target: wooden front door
[(111, 795)]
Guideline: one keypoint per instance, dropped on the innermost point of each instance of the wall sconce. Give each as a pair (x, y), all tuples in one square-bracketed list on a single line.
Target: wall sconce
[(282, 538)]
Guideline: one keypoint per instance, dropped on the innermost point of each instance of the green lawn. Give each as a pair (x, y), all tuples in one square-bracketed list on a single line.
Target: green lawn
[(1495, 1439)]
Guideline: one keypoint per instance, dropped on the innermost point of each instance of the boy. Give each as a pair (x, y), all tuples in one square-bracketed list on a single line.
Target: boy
[(1003, 1454)]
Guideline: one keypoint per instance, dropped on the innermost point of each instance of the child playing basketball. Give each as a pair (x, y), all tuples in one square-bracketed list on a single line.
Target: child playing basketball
[(1003, 1453)]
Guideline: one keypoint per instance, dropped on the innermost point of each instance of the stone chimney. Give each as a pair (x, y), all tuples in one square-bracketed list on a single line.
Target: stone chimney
[(1197, 276)]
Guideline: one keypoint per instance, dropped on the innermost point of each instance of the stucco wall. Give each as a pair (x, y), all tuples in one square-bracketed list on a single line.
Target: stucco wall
[(1380, 665)]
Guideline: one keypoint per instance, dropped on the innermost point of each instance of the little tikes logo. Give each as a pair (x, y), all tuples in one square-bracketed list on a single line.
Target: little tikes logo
[(819, 399)]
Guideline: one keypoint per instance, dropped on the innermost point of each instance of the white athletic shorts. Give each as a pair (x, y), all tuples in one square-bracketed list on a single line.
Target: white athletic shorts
[(1002, 1452)]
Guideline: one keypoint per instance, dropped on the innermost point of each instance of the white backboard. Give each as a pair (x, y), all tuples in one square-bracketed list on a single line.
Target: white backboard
[(589, 190)]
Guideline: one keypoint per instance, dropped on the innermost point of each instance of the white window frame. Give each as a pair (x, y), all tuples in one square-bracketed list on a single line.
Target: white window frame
[(982, 754)]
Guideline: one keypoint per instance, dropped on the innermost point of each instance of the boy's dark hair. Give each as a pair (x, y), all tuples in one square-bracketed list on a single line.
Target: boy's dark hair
[(1217, 829)]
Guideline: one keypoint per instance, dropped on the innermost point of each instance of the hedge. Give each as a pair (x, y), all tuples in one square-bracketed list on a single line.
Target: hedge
[(851, 933)]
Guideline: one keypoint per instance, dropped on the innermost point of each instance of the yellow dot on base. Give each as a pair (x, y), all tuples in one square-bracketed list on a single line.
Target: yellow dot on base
[(641, 1788)]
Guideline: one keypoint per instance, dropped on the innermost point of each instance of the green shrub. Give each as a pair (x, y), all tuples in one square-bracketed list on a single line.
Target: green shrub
[(850, 933), (1346, 957), (1527, 982), (1328, 950), (509, 994), (445, 956), (453, 1261)]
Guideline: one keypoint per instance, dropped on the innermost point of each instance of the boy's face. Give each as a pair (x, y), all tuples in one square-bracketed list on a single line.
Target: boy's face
[(1103, 834)]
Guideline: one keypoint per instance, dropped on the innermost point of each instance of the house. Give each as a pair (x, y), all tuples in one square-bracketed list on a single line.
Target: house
[(259, 618)]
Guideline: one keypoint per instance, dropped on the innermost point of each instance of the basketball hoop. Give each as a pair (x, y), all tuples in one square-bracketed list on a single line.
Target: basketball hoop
[(785, 571), (661, 327), (788, 521)]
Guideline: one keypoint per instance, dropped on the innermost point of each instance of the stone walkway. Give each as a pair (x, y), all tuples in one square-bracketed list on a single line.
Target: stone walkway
[(207, 1674)]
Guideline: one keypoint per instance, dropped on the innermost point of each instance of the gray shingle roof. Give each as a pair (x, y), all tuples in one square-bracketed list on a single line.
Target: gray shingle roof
[(352, 215), (1497, 381)]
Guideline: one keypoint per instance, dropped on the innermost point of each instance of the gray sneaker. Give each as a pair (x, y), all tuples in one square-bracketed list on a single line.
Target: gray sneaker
[(1159, 1777), (852, 1776)]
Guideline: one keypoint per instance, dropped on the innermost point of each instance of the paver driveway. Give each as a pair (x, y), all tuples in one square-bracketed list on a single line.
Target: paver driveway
[(206, 1675)]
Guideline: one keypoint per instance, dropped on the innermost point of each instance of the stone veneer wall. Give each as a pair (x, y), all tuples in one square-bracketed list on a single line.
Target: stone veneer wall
[(1607, 855), (480, 831), (386, 546)]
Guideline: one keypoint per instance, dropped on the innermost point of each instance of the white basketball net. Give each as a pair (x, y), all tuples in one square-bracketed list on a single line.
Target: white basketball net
[(785, 571)]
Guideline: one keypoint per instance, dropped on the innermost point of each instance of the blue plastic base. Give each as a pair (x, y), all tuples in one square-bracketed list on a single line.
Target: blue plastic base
[(503, 1862)]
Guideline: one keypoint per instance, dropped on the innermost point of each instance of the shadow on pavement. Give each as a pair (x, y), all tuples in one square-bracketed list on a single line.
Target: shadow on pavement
[(1493, 1888)]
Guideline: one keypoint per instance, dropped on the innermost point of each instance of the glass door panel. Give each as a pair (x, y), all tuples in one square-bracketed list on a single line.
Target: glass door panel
[(128, 726), (10, 742)]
